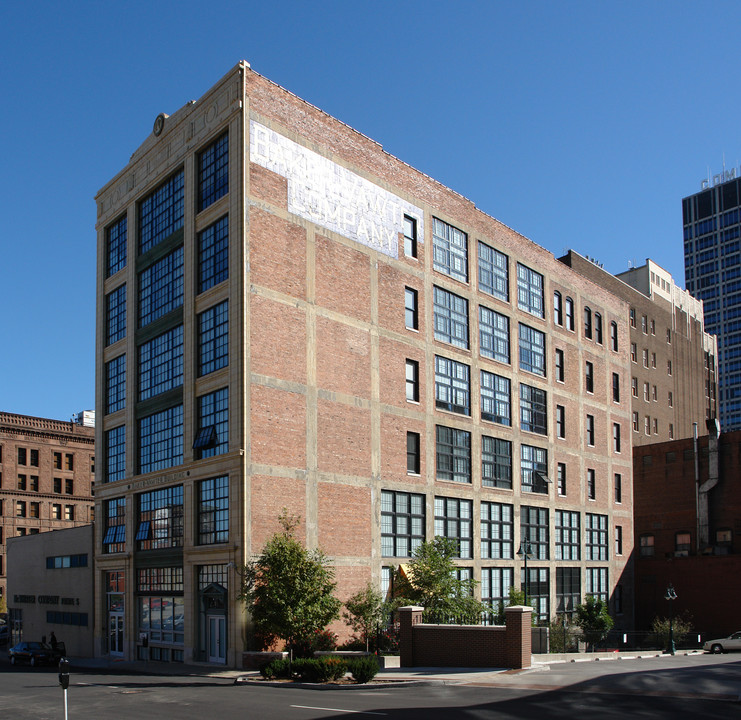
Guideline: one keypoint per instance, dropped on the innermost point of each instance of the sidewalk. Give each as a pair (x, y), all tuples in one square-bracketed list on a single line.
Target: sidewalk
[(540, 663)]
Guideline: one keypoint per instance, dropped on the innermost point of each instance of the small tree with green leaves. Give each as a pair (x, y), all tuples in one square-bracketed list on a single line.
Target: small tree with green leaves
[(433, 583), (681, 626), (289, 591), (594, 620), (365, 611), (561, 635), (517, 597)]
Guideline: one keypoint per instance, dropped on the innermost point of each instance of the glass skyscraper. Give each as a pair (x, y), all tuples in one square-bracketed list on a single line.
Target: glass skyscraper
[(712, 266)]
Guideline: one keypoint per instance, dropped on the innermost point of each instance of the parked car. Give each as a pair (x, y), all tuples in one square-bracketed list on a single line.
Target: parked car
[(34, 653), (732, 642)]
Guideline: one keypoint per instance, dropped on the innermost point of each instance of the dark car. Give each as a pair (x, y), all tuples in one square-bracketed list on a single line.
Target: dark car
[(34, 653), (4, 634)]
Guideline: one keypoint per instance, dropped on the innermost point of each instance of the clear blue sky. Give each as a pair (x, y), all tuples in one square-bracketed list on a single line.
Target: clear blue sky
[(579, 124)]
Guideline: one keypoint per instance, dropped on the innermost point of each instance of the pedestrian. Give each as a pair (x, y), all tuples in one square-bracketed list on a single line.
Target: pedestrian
[(43, 639), (53, 640)]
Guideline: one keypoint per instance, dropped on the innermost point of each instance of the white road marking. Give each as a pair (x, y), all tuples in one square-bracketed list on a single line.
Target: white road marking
[(339, 710)]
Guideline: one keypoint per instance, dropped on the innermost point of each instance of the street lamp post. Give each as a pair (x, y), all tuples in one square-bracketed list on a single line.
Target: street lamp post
[(671, 595), (525, 552)]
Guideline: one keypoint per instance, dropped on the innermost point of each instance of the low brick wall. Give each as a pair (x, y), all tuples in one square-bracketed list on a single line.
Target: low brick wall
[(426, 645), (254, 660)]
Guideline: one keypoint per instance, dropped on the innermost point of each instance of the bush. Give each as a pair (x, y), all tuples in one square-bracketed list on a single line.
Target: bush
[(306, 646), (280, 669), (354, 643), (363, 669), (319, 670)]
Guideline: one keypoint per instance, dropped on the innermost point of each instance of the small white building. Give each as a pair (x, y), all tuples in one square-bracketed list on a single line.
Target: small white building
[(50, 588)]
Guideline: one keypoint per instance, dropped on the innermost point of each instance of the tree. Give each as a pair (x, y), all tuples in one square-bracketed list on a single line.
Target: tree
[(365, 612), (433, 583), (681, 627), (290, 591), (594, 620)]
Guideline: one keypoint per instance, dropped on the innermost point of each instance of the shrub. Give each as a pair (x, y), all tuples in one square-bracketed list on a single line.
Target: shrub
[(354, 643), (318, 670), (305, 646), (276, 669), (363, 669)]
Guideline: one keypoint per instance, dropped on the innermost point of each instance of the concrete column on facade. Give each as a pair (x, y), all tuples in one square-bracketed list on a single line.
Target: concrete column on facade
[(518, 638), (409, 616)]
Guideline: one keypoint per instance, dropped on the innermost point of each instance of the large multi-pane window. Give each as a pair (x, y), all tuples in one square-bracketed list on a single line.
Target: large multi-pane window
[(213, 254), (453, 454), (160, 519), (568, 535), (213, 172), (450, 315), (212, 437), (453, 520), (495, 585), (533, 410), (568, 589), (402, 523), (496, 462), (533, 469), (161, 363), (596, 536), (115, 384), (115, 453), (213, 510), (496, 404), (213, 338), (452, 386), (529, 290), (161, 213), (161, 287), (534, 530), (116, 236), (161, 440), (532, 350), (114, 535), (493, 272), (115, 315), (497, 531), (538, 592), (494, 335), (597, 583), (449, 250), (161, 608)]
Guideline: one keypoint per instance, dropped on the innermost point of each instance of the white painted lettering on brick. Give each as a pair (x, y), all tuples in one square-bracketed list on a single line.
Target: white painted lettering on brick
[(332, 196)]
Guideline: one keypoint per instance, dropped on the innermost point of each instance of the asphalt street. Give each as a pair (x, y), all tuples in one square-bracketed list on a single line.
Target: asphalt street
[(699, 686)]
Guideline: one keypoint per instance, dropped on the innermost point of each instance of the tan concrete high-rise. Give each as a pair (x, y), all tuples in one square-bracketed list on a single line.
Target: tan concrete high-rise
[(290, 317)]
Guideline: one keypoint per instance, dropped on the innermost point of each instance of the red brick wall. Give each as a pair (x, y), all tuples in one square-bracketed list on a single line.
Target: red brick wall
[(425, 645)]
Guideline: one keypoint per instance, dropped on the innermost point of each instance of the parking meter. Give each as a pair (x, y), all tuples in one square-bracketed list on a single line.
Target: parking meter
[(64, 673)]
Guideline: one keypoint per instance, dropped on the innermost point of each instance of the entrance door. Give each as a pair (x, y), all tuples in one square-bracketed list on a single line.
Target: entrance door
[(216, 639), (116, 633)]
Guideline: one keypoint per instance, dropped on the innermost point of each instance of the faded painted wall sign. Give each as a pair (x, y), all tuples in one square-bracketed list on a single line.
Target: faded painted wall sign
[(332, 196)]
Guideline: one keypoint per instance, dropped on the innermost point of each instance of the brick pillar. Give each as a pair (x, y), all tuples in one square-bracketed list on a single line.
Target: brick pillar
[(518, 637), (408, 617)]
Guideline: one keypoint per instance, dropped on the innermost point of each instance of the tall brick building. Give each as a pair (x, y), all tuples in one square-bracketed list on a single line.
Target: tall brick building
[(47, 473), (673, 368), (688, 530), (290, 317)]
